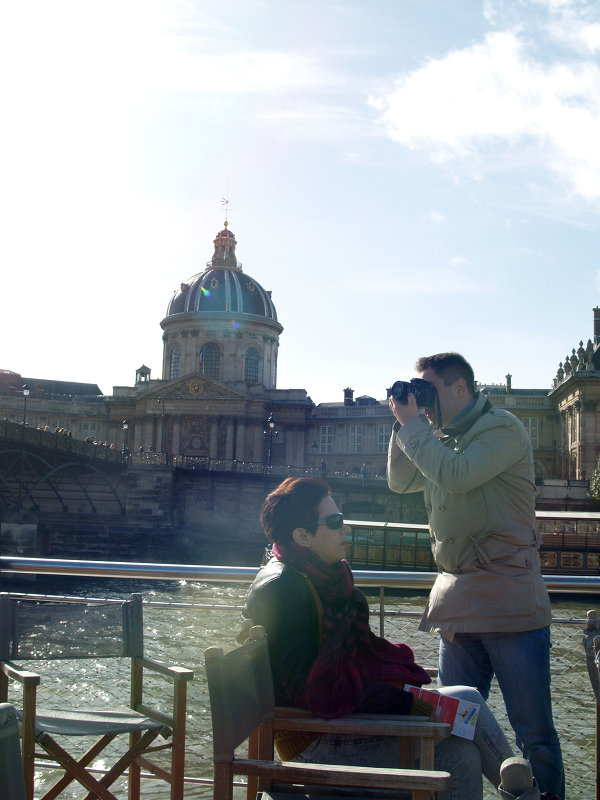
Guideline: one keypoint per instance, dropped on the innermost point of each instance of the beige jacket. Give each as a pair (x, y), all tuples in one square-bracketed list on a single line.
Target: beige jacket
[(479, 490)]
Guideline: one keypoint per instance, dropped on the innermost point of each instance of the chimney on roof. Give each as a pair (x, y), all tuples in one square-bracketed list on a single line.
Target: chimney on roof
[(597, 325), (508, 383), (348, 397)]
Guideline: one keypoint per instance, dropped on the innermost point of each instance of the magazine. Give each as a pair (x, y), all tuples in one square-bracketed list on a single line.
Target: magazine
[(460, 714)]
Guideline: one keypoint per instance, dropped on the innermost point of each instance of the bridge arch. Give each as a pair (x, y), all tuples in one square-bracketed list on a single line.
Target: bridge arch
[(25, 473)]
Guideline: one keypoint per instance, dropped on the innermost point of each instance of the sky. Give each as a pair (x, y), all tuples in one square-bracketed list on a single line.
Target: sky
[(406, 176)]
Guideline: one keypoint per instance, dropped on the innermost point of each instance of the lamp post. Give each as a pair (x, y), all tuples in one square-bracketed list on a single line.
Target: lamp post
[(314, 449), (25, 391), (270, 432), (125, 429), (162, 424)]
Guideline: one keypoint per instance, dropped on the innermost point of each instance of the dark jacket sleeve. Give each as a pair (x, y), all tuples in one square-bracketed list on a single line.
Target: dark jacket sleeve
[(381, 698), (282, 603)]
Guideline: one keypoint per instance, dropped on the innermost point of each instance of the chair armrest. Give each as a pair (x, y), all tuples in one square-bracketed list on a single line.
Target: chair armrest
[(290, 711), (377, 725), (17, 673), (180, 677), (336, 775), (170, 670)]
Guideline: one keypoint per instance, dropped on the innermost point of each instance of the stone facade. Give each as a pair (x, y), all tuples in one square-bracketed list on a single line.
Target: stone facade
[(575, 397)]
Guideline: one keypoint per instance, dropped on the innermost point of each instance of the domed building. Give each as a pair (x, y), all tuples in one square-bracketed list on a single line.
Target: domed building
[(222, 324), (219, 375)]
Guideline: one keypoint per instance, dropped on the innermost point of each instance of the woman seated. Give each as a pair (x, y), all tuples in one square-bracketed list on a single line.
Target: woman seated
[(325, 658)]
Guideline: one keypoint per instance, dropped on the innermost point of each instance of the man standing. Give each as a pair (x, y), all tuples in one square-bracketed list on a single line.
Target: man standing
[(489, 602)]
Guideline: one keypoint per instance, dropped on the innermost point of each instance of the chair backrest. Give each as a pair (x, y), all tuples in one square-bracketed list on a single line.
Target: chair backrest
[(70, 629), (590, 645), (11, 767), (241, 692)]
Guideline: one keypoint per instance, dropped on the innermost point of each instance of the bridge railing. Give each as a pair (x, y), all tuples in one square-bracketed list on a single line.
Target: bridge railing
[(56, 440), (64, 442)]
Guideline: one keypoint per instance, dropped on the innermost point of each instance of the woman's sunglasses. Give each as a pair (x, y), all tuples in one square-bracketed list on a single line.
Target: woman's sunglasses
[(333, 521)]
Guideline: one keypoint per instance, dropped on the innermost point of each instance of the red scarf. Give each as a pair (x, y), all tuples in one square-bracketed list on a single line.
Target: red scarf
[(350, 651)]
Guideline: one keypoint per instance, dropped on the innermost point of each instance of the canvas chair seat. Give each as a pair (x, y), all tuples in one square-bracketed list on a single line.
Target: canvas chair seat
[(58, 722)]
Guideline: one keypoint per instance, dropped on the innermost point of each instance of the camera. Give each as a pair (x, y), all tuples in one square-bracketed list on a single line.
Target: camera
[(425, 393)]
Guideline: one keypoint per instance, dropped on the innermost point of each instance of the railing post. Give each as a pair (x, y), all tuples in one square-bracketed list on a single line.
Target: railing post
[(597, 751)]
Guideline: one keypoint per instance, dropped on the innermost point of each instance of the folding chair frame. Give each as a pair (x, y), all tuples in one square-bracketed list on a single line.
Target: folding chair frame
[(140, 741)]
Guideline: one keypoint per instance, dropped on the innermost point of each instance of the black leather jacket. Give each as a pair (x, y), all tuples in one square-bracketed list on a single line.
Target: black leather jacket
[(281, 601)]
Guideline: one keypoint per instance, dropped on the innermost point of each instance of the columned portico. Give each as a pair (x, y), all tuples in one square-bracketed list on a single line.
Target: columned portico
[(214, 440), (176, 436), (240, 444)]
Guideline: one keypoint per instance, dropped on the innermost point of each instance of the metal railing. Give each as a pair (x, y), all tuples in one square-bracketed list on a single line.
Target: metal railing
[(213, 612), (54, 440), (415, 581), (97, 451)]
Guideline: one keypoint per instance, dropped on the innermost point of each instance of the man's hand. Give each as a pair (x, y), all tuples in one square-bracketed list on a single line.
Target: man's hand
[(404, 411)]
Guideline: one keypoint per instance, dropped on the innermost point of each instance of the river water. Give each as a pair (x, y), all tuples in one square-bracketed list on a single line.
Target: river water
[(193, 616)]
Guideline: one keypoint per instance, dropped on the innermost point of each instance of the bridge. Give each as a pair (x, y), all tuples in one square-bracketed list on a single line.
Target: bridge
[(53, 471)]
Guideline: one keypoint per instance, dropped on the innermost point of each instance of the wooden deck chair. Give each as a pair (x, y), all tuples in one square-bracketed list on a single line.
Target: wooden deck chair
[(11, 767), (241, 698), (591, 645), (417, 736), (72, 629)]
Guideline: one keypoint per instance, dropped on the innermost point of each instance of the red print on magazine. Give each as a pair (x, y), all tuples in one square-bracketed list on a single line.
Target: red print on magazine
[(460, 714)]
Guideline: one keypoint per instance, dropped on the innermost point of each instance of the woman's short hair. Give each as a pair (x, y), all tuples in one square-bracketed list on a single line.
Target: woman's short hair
[(293, 504)]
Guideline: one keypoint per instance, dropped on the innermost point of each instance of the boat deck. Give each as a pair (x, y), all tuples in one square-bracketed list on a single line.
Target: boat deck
[(189, 608)]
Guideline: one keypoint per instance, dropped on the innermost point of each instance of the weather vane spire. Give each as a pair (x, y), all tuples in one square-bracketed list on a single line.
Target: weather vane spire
[(225, 202)]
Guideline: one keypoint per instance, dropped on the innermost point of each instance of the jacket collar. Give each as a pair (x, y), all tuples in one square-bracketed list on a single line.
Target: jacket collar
[(461, 425)]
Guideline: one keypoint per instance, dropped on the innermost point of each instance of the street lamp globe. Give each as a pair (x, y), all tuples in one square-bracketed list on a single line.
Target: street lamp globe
[(25, 389)]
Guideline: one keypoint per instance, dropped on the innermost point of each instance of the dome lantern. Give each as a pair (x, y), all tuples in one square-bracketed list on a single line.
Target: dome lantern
[(224, 255)]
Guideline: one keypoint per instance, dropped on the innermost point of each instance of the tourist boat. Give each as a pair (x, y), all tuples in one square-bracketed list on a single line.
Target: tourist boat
[(570, 544)]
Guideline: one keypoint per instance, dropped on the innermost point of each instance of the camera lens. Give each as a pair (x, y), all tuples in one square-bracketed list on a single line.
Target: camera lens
[(400, 390)]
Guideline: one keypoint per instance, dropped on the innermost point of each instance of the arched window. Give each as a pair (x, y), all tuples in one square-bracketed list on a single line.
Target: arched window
[(251, 365), (174, 362), (210, 361)]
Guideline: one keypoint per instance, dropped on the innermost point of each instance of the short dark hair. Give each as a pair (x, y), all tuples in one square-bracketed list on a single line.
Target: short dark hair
[(293, 504), (450, 367)]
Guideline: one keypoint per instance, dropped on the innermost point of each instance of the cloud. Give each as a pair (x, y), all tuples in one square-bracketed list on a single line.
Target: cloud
[(571, 22), (495, 96), (436, 217), (457, 261)]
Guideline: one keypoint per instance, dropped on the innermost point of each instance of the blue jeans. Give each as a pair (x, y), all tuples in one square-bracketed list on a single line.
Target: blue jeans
[(521, 663), (466, 761)]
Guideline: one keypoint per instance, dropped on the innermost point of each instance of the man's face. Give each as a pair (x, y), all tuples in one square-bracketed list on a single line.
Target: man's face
[(451, 398)]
